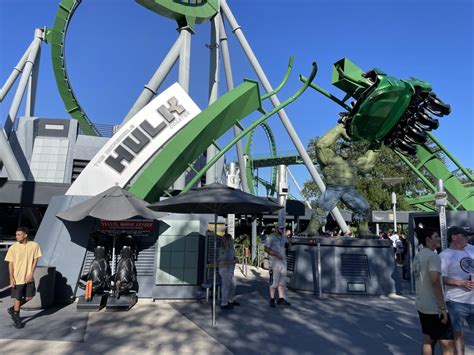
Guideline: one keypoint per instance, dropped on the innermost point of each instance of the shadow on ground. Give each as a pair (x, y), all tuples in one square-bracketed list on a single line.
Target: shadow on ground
[(56, 323), (312, 325)]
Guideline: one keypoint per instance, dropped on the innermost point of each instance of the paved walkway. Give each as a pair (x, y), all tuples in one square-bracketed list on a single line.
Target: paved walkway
[(312, 325)]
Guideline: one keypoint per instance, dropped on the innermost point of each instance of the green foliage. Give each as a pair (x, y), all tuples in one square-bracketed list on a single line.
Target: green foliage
[(465, 179), (371, 184), (245, 241)]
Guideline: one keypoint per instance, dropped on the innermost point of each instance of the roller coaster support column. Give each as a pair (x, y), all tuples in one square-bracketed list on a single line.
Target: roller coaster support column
[(32, 85), (14, 75), (153, 85), (25, 65), (7, 158), (20, 91), (211, 174), (298, 187), (283, 117), (230, 86), (183, 80), (181, 49)]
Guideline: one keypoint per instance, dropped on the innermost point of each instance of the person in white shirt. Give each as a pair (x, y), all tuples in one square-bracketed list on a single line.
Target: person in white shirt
[(227, 260), (275, 247), (435, 322), (393, 236), (457, 266)]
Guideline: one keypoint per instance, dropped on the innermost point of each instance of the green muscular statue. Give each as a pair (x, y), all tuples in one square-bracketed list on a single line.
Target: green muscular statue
[(340, 172)]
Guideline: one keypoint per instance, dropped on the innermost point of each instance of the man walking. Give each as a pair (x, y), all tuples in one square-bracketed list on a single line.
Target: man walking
[(457, 267), (22, 258), (435, 322), (275, 247)]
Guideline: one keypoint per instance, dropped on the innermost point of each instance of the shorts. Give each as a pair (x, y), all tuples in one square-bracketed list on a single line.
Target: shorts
[(431, 325), (278, 275), (20, 292), (460, 313)]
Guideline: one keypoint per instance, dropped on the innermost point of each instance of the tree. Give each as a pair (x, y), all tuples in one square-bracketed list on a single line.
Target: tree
[(371, 184)]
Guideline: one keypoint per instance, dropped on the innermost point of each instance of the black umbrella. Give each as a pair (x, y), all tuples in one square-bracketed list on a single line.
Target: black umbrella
[(113, 204), (219, 200)]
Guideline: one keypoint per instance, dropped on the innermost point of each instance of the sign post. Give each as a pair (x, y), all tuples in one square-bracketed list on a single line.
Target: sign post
[(232, 181), (441, 203)]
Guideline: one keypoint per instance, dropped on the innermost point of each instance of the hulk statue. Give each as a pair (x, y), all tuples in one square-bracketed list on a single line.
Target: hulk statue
[(340, 172)]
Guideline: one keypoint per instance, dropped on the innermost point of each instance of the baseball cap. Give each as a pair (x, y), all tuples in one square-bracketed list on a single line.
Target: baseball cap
[(458, 230)]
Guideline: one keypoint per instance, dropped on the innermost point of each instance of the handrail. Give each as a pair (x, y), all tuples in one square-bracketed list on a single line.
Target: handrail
[(242, 134)]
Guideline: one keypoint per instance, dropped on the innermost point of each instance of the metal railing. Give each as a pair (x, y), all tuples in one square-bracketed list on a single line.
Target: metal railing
[(104, 129)]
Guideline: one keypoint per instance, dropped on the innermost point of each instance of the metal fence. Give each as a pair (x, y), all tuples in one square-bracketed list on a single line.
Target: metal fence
[(104, 129)]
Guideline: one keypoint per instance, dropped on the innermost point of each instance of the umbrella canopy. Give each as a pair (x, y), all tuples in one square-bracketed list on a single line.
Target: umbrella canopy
[(216, 199), (114, 204)]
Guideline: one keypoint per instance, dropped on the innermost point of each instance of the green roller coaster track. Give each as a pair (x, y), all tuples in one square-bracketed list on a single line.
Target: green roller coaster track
[(57, 38), (431, 159), (251, 127), (193, 139), (183, 12), (270, 186), (149, 185), (174, 10)]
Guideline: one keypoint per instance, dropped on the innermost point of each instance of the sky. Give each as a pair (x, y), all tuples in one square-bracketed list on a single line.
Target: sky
[(114, 46)]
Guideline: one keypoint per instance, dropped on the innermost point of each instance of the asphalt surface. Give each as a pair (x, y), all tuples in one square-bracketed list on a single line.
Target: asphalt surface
[(311, 325)]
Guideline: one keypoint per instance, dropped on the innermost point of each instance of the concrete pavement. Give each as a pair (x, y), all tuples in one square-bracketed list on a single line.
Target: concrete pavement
[(312, 325)]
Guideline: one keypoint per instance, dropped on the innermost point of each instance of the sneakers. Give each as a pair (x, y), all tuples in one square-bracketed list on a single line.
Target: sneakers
[(17, 323), (234, 303), (272, 302), (11, 312), (283, 302), (227, 306), (15, 318)]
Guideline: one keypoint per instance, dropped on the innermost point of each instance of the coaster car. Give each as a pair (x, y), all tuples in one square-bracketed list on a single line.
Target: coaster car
[(397, 113)]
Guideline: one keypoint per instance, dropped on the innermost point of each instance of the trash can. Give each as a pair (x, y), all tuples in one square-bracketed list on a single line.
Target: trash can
[(45, 278)]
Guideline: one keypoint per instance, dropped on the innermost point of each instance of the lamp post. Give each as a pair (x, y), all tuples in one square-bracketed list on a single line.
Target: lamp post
[(393, 181), (441, 202), (394, 206)]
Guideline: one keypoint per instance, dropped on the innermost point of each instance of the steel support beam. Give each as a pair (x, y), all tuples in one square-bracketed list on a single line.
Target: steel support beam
[(282, 114), (151, 88), (230, 85)]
